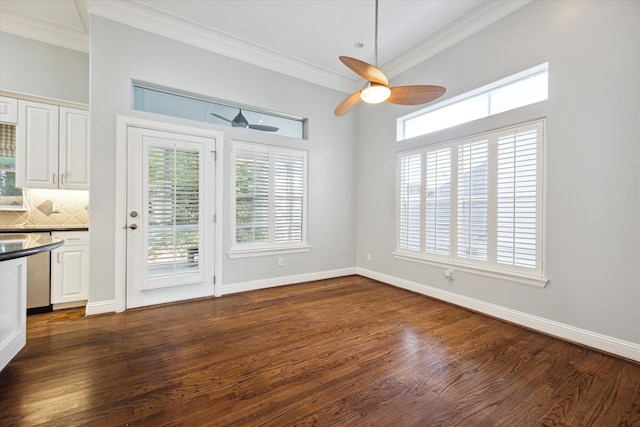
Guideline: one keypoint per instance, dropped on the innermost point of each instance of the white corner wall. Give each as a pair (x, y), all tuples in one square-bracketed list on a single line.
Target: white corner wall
[(592, 204)]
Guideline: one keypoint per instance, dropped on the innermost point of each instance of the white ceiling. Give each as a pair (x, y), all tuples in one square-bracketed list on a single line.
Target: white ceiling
[(301, 38)]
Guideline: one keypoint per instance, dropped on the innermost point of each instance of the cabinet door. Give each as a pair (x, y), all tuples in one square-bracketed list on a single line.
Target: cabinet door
[(8, 110), (37, 145), (13, 308), (74, 149), (69, 274)]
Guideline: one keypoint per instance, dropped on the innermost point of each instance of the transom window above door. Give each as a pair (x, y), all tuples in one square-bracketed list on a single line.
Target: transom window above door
[(173, 103)]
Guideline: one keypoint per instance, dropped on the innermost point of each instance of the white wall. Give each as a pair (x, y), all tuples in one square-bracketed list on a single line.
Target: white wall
[(593, 154), (35, 68), (121, 53)]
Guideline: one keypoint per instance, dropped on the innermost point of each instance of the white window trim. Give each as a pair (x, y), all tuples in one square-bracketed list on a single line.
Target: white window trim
[(488, 88), (257, 251), (468, 266), (249, 250)]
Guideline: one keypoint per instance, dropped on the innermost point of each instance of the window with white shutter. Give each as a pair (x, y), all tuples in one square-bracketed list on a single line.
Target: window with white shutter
[(410, 201), (517, 199), (473, 200), (475, 203), (270, 199), (437, 181), (174, 223), (252, 195), (289, 196)]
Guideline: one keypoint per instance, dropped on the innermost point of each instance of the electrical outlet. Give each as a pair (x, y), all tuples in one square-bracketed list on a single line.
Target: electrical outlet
[(280, 262), (448, 274), (368, 257), (56, 207)]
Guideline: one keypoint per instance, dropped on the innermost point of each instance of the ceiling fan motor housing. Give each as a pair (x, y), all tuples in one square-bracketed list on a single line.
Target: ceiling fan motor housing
[(240, 121)]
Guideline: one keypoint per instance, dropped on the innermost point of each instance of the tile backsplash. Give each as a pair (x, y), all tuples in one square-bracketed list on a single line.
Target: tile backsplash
[(73, 206)]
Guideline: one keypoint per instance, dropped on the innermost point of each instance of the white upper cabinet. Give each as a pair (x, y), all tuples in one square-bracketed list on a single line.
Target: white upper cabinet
[(52, 147), (73, 150), (37, 145), (8, 110)]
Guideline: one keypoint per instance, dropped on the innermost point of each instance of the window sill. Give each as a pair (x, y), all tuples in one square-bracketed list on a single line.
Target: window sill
[(538, 282), (266, 251)]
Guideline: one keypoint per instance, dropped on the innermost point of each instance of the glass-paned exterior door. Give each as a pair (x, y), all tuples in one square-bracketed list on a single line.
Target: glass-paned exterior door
[(170, 221)]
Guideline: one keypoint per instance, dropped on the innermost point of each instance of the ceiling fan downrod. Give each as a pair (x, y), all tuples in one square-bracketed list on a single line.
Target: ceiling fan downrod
[(375, 46), (377, 90)]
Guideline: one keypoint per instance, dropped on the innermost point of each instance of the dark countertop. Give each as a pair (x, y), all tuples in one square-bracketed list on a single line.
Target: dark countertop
[(41, 228), (20, 245)]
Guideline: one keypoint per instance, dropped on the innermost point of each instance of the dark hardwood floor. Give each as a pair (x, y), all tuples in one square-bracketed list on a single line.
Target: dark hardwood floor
[(341, 352)]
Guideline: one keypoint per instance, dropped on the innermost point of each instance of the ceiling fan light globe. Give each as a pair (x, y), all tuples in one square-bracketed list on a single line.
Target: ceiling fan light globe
[(375, 94)]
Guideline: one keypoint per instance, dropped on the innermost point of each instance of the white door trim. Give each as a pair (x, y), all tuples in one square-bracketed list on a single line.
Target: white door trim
[(120, 206)]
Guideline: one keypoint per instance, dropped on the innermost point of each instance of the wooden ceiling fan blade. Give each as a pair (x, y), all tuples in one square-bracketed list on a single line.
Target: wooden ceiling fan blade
[(348, 104), (364, 70), (415, 95)]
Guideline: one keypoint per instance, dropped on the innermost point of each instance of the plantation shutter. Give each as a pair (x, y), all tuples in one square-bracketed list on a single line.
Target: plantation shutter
[(410, 196), (437, 178), (173, 216), (481, 194), (517, 195), (289, 185), (473, 200), (252, 194)]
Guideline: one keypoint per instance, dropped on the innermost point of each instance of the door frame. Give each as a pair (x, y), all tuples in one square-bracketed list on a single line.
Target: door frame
[(120, 205)]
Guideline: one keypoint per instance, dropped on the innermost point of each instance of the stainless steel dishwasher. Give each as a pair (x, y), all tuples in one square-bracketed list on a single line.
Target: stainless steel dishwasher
[(39, 283)]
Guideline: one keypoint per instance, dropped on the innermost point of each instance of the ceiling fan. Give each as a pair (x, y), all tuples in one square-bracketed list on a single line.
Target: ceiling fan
[(240, 121), (377, 89)]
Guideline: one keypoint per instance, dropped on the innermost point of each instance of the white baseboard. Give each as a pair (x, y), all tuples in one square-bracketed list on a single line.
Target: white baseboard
[(100, 307), (285, 280), (626, 349), (591, 339)]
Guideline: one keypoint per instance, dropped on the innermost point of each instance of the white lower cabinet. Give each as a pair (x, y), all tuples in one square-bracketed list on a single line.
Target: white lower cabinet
[(70, 268), (13, 308)]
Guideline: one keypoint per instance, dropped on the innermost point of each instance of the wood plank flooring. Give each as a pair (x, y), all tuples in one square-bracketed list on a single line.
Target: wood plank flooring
[(340, 352)]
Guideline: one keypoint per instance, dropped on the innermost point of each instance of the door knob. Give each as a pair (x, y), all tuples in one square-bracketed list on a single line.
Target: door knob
[(132, 226)]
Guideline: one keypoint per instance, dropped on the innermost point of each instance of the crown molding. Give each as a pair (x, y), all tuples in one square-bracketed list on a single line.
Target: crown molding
[(148, 19), (466, 26), (36, 29), (142, 17), (82, 8)]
